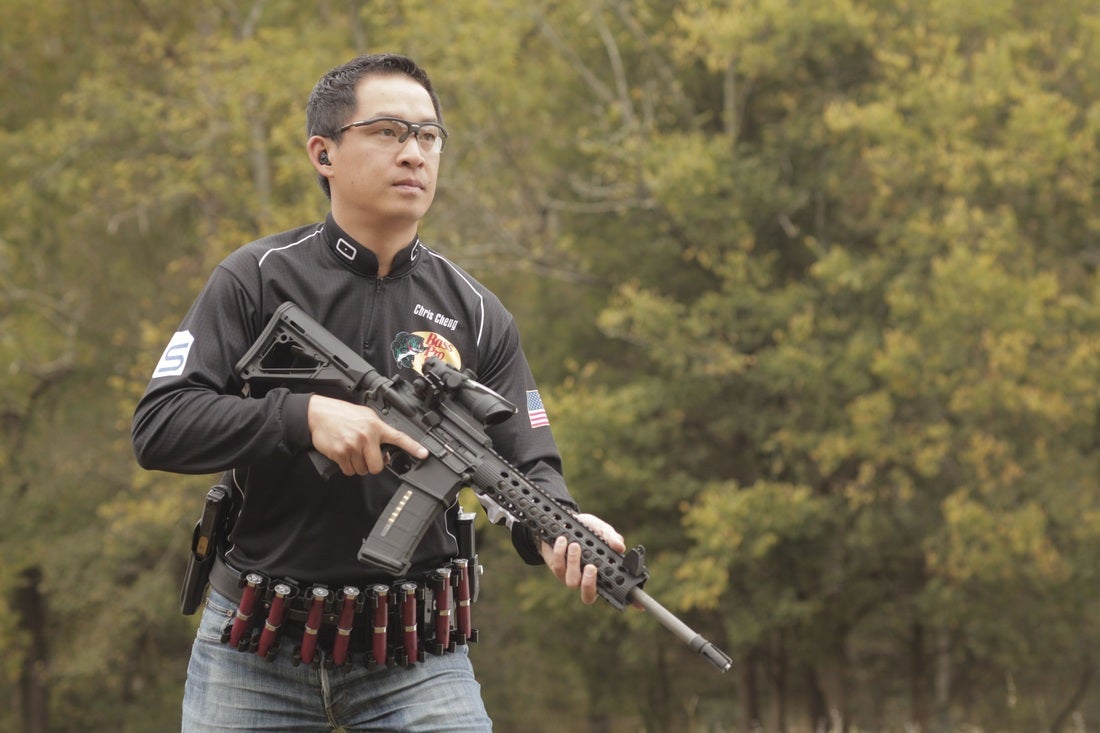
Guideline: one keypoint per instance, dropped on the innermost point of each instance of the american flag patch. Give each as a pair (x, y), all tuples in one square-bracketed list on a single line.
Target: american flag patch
[(535, 409)]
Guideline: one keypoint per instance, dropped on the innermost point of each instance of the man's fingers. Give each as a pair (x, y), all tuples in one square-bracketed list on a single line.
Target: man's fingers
[(558, 563), (554, 557), (354, 436), (374, 460), (573, 566), (604, 531), (588, 585), (400, 440)]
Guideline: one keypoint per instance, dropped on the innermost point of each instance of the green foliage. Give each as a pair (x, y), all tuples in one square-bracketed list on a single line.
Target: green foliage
[(810, 289)]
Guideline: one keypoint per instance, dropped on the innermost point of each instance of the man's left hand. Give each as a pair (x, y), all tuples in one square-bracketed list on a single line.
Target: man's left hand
[(564, 558)]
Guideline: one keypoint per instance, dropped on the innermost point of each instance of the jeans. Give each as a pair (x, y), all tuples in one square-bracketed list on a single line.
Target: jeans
[(231, 690)]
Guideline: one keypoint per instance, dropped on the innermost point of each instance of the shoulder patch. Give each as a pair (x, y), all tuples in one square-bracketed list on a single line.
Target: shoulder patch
[(536, 411), (174, 358)]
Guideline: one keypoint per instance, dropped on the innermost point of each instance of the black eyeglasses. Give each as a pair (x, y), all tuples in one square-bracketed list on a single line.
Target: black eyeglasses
[(389, 132)]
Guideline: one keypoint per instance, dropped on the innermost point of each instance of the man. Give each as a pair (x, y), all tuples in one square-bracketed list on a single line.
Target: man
[(375, 138)]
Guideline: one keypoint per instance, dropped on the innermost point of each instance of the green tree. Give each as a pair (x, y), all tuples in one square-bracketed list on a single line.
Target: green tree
[(810, 291), (124, 191), (898, 350)]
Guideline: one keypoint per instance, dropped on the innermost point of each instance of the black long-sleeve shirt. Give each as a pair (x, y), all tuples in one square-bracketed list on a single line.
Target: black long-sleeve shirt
[(195, 417)]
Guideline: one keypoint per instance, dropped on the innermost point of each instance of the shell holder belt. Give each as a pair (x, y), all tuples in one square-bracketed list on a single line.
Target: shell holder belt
[(380, 625)]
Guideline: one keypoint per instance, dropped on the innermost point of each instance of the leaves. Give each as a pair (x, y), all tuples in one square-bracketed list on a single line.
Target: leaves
[(810, 290)]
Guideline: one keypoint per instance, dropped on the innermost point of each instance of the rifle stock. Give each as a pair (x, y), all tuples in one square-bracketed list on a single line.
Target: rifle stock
[(446, 411)]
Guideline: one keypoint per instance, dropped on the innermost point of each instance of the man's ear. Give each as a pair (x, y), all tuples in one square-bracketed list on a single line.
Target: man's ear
[(318, 148)]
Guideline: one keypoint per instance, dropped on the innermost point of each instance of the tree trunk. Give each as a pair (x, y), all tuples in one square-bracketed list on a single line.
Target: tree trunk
[(942, 682), (659, 715), (829, 683), (817, 709), (30, 609), (751, 720), (779, 688), (1074, 700), (919, 713)]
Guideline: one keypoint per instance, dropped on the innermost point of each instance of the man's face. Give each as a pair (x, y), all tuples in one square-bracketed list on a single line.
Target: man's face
[(378, 179)]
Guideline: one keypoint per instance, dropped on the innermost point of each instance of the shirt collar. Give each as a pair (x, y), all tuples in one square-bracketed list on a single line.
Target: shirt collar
[(362, 260)]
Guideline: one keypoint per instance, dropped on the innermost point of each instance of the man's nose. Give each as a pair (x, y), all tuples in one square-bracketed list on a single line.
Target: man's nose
[(412, 150)]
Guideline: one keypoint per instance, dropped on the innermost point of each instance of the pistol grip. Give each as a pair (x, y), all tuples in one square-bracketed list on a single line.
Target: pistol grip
[(325, 466)]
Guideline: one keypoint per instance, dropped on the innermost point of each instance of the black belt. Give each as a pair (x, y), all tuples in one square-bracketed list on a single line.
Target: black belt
[(229, 581), (225, 579)]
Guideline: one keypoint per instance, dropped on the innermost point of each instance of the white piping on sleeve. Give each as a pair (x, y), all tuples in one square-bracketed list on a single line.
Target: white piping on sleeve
[(288, 246)]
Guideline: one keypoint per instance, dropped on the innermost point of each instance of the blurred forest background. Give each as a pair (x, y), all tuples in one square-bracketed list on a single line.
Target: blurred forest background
[(810, 289)]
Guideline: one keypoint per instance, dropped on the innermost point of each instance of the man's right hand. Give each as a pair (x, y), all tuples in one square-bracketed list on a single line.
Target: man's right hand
[(353, 435)]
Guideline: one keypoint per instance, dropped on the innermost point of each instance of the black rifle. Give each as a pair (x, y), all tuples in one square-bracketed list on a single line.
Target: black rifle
[(446, 411)]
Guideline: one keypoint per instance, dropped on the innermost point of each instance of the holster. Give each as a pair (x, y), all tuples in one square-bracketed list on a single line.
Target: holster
[(467, 549), (210, 533)]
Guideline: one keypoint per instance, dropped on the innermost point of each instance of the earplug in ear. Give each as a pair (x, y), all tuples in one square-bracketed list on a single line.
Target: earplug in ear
[(323, 158)]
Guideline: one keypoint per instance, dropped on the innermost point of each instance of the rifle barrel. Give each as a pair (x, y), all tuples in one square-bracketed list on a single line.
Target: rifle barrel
[(666, 618)]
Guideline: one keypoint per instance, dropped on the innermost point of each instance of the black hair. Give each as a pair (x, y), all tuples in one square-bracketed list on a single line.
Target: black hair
[(334, 98)]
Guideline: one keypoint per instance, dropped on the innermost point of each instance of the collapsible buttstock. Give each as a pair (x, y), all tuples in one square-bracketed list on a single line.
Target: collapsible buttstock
[(295, 348)]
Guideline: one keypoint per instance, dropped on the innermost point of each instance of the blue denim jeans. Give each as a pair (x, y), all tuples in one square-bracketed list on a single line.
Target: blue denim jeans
[(231, 690)]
